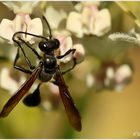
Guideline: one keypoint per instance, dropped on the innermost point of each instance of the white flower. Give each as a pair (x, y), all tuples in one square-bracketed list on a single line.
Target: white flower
[(74, 24), (66, 44), (79, 53), (122, 73), (22, 22), (90, 20), (110, 76), (119, 76), (96, 22)]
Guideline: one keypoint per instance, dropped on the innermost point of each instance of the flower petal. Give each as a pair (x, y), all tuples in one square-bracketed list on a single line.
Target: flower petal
[(123, 72), (88, 19), (6, 29), (34, 27), (22, 22), (102, 23), (66, 44), (80, 53), (74, 24)]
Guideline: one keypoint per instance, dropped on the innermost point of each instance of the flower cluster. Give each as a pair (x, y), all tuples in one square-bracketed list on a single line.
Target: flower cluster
[(89, 20), (21, 22), (110, 76)]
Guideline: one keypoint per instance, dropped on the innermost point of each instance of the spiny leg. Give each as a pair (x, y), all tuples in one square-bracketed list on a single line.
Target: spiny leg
[(74, 60), (25, 57), (65, 54)]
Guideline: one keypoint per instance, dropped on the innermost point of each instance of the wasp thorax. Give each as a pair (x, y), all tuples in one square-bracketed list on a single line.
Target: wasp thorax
[(49, 46), (50, 62)]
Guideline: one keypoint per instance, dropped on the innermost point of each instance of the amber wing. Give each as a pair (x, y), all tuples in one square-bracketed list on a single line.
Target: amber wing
[(71, 110), (13, 101)]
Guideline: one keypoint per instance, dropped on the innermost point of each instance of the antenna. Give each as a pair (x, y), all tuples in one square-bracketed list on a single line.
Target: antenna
[(26, 33), (50, 32)]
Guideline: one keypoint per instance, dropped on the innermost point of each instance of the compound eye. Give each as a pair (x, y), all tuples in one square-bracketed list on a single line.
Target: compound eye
[(43, 46), (56, 43)]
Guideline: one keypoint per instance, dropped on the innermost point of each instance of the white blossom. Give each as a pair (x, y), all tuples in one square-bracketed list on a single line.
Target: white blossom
[(90, 20), (22, 22)]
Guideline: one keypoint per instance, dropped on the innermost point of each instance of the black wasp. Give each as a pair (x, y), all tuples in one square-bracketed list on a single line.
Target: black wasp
[(45, 71)]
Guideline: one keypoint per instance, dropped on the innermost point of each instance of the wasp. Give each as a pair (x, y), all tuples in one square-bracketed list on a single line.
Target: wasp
[(46, 69)]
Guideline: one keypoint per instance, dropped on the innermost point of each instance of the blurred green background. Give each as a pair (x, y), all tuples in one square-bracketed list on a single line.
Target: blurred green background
[(106, 114)]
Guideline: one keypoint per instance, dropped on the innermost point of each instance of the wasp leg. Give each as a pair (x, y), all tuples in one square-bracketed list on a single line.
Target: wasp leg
[(25, 57), (74, 64), (68, 52), (74, 60), (19, 67), (35, 52)]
